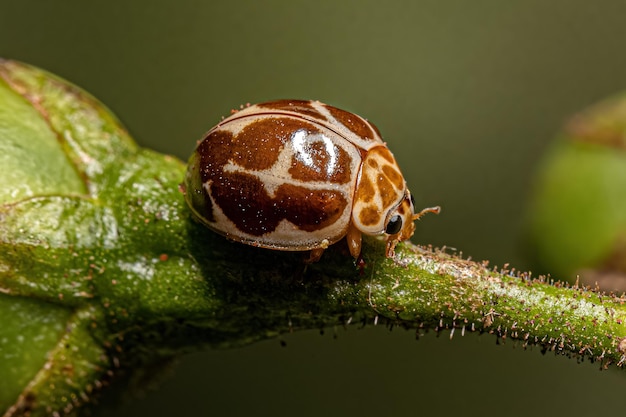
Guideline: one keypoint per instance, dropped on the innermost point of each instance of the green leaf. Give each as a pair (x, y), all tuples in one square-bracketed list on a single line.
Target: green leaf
[(30, 329), (31, 156)]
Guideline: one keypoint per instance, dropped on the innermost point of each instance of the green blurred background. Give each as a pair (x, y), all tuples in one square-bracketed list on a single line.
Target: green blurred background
[(468, 96)]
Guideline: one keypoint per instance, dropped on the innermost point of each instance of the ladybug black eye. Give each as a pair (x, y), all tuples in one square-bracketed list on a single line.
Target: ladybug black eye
[(394, 225)]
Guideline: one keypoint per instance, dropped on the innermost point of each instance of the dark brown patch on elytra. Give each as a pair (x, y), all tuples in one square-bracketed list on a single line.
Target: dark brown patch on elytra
[(310, 209), (258, 145), (353, 122), (213, 153), (321, 165), (243, 197), (244, 200), (299, 106)]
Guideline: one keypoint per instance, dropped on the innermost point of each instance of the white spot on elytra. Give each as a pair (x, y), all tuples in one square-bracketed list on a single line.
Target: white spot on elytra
[(299, 149), (303, 152), (298, 145)]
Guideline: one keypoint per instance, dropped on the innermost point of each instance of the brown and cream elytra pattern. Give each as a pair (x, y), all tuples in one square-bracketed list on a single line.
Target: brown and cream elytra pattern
[(299, 175)]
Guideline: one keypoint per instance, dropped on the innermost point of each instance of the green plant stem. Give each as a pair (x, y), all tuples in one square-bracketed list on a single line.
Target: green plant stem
[(421, 289)]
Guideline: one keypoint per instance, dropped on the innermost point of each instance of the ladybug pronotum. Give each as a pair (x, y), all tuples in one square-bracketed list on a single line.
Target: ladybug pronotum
[(299, 175)]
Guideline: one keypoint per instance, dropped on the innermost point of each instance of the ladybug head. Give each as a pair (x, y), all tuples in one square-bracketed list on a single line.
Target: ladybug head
[(399, 224)]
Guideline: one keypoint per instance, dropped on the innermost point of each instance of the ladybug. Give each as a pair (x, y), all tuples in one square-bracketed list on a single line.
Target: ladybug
[(298, 175)]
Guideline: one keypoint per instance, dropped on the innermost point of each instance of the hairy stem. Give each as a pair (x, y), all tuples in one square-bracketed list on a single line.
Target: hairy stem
[(421, 289)]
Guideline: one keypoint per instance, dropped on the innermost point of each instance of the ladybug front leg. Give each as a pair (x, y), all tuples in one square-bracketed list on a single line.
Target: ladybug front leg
[(392, 241), (353, 237)]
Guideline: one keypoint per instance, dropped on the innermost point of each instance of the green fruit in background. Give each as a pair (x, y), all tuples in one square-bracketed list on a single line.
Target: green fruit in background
[(577, 216)]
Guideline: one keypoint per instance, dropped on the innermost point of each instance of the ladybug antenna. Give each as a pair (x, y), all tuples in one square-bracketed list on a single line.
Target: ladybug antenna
[(435, 210)]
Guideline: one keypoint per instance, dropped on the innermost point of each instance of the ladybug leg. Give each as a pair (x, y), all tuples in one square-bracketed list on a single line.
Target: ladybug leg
[(360, 263), (353, 237), (392, 241), (314, 255)]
